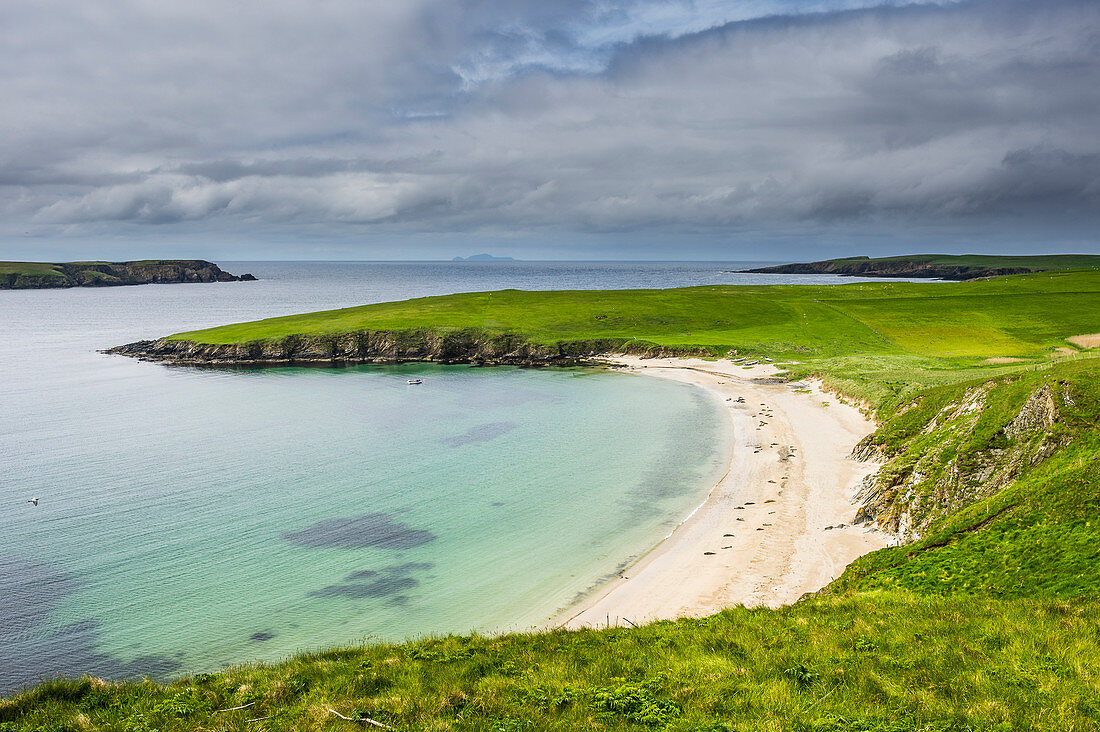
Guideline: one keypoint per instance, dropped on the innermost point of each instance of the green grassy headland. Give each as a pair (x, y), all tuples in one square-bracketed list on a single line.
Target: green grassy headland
[(1034, 262), (944, 266), (41, 275), (989, 620), (873, 340)]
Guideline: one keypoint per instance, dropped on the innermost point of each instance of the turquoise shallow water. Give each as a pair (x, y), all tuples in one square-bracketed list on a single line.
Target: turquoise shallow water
[(228, 515), (193, 518)]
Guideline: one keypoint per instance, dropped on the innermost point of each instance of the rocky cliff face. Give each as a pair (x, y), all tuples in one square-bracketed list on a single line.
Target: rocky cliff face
[(967, 450), (107, 274), (459, 346)]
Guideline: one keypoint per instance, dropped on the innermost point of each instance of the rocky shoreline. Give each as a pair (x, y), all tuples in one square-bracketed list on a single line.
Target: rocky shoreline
[(448, 347)]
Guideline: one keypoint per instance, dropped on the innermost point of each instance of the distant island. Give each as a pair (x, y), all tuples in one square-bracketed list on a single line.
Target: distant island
[(42, 275), (483, 258), (937, 266)]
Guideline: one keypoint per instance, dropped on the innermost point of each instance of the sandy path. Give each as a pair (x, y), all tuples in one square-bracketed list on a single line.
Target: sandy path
[(762, 537)]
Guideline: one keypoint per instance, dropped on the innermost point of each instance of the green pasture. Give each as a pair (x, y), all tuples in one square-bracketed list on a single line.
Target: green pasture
[(35, 268), (13, 270), (47, 268)]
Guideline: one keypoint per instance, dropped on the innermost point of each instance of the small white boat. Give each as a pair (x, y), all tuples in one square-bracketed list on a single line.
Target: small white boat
[(416, 381)]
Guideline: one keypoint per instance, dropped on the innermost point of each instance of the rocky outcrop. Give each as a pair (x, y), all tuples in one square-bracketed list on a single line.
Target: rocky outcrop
[(867, 451), (945, 467), (383, 346), (107, 274), (1038, 413), (893, 267)]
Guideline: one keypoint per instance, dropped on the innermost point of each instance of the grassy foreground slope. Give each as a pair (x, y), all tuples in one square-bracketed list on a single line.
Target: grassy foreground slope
[(883, 662), (989, 620)]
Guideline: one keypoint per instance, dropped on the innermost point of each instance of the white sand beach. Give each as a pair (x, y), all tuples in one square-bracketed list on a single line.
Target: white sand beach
[(779, 522)]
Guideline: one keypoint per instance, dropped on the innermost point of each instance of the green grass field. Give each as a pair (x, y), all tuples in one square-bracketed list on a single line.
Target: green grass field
[(989, 621), (12, 271), (47, 268), (32, 268)]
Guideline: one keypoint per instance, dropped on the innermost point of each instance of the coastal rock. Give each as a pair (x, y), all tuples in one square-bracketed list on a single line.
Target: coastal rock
[(867, 450), (110, 274), (914, 489), (475, 347)]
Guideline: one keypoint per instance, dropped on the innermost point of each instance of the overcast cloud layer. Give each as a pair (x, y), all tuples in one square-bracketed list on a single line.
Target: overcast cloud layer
[(392, 126)]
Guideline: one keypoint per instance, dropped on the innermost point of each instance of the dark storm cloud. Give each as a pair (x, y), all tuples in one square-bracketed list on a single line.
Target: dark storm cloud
[(432, 116), (1058, 179)]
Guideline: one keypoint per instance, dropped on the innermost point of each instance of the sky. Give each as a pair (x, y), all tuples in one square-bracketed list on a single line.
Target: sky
[(539, 129)]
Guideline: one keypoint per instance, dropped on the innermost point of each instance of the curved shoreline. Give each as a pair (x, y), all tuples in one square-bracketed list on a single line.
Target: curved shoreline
[(772, 529), (777, 525)]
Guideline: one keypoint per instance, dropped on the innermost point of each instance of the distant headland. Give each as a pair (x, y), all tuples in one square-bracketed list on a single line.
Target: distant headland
[(42, 275), (483, 258), (938, 266)]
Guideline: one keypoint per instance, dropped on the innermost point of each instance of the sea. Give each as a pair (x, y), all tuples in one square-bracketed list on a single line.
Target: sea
[(192, 518)]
